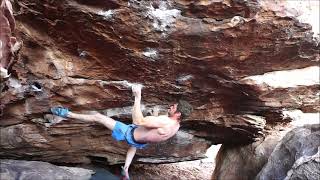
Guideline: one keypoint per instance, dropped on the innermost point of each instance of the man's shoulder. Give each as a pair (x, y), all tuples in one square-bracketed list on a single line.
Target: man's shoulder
[(161, 117)]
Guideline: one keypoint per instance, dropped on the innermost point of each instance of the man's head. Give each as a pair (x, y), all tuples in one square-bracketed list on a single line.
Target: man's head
[(180, 110)]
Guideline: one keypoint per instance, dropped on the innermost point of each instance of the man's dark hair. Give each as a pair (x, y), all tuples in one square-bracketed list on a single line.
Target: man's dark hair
[(184, 108)]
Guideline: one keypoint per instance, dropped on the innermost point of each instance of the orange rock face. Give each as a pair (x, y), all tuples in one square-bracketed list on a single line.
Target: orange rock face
[(86, 54)]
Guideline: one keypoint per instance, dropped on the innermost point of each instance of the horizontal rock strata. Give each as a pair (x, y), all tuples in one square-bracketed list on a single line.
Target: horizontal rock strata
[(85, 55)]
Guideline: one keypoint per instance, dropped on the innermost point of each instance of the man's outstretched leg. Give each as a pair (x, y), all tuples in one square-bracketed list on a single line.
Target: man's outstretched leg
[(99, 118), (137, 115), (118, 130)]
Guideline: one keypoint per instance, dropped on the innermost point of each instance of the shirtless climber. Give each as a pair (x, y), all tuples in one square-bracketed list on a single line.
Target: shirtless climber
[(149, 129)]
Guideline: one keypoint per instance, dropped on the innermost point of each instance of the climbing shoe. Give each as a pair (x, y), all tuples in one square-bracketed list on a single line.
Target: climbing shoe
[(60, 111)]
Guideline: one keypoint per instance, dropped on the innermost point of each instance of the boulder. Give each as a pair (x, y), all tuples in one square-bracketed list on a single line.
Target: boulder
[(307, 167), (291, 153), (296, 156), (36, 170), (174, 171), (189, 170), (245, 162)]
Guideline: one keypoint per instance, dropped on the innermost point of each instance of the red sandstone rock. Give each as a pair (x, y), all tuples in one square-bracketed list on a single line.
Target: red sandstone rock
[(84, 55)]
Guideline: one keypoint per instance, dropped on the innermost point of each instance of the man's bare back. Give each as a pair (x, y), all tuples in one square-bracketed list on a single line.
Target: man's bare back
[(153, 135)]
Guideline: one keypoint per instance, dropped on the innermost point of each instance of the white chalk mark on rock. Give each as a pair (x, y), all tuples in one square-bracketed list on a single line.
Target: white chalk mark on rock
[(15, 83), (163, 18), (184, 78), (151, 53), (4, 73), (123, 83), (120, 84), (35, 88), (106, 14), (236, 20)]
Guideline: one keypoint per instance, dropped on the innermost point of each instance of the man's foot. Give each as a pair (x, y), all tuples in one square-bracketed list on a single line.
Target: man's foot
[(124, 174), (136, 90), (60, 111), (52, 119)]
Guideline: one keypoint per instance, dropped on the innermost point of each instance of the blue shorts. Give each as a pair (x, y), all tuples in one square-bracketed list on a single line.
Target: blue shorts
[(123, 132)]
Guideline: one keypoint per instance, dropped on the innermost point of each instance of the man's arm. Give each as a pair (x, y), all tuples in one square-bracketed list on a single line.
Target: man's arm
[(152, 121), (137, 116)]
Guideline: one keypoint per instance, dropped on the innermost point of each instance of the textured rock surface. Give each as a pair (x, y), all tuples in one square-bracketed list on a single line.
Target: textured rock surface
[(36, 170), (281, 155), (307, 167), (82, 143), (175, 171), (86, 54), (190, 170), (297, 155), (244, 163), (7, 40)]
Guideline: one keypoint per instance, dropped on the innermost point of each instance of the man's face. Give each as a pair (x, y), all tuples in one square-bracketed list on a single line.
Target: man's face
[(172, 111)]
